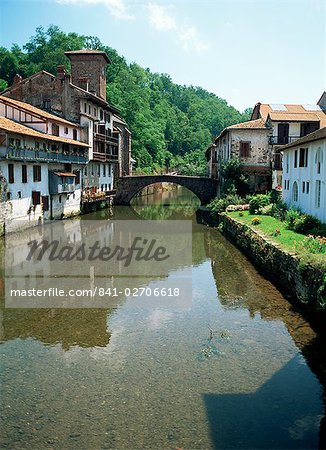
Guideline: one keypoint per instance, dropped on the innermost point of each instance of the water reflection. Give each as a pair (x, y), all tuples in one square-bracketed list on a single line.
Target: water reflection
[(131, 376)]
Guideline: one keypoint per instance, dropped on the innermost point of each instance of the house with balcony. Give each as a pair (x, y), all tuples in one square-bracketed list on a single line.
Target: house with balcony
[(259, 142), (304, 174), (29, 154), (287, 124), (80, 97)]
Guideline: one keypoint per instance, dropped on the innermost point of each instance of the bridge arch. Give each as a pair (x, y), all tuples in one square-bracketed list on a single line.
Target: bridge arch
[(127, 187)]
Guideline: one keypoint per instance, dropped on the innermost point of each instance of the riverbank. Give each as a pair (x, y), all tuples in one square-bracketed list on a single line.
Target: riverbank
[(304, 279)]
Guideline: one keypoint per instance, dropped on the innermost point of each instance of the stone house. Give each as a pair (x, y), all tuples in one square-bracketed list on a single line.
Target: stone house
[(41, 162), (80, 97), (247, 142), (304, 174)]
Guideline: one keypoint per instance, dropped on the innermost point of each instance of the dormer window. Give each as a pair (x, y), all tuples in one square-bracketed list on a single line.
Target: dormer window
[(47, 104)]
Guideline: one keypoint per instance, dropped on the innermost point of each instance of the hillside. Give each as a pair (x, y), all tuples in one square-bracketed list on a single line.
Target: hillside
[(171, 124)]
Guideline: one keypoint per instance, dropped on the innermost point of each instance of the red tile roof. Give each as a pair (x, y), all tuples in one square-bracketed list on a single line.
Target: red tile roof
[(33, 110), (11, 126)]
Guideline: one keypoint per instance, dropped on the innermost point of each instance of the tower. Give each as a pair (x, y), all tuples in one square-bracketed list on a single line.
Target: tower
[(88, 70)]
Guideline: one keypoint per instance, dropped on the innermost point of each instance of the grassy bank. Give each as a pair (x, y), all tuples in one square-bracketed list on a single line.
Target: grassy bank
[(275, 231)]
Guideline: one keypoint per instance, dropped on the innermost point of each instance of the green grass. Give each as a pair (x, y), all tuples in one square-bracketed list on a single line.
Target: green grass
[(287, 239)]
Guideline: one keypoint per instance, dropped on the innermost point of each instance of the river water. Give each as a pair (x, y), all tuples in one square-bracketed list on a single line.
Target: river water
[(239, 368)]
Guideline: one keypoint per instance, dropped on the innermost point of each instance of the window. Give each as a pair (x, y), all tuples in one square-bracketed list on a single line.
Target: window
[(74, 132), (317, 193), (8, 195), (59, 198), (77, 178), (92, 169), (24, 173), (11, 177), (308, 127), (95, 112), (46, 104), (99, 170), (37, 173), (37, 145), (307, 187), (85, 108), (303, 187), (319, 159), (303, 160), (45, 202), (36, 198), (19, 194), (244, 149), (66, 130), (11, 142), (55, 129), (101, 115), (89, 109), (296, 158), (287, 162), (109, 170), (104, 170), (295, 193), (17, 142)]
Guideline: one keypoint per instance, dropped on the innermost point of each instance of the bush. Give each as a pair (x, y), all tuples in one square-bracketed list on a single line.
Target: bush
[(219, 205), (266, 210), (314, 244), (256, 221), (305, 223), (279, 210), (257, 202), (291, 216)]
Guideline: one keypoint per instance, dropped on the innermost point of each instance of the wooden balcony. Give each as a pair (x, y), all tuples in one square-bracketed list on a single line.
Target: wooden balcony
[(282, 140), (29, 154), (105, 157)]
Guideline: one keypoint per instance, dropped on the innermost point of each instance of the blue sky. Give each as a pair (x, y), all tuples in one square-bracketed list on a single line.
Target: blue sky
[(271, 51)]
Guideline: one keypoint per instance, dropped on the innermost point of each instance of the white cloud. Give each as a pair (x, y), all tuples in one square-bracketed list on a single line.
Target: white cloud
[(189, 40), (163, 18), (160, 19), (117, 8)]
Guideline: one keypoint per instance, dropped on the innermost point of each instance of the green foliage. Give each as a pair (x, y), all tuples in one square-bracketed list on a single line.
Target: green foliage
[(219, 205), (314, 244), (302, 223), (279, 210), (3, 85), (257, 202), (234, 179), (166, 119)]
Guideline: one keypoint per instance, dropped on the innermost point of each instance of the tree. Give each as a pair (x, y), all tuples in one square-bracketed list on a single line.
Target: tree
[(234, 180)]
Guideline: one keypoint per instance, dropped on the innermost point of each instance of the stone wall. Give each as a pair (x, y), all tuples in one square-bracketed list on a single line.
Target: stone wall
[(303, 281)]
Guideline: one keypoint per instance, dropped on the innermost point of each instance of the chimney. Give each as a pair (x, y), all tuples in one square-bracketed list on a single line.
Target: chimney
[(61, 72), (17, 79)]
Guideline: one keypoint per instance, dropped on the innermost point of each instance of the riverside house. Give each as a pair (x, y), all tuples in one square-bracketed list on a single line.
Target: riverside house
[(41, 161), (258, 143), (304, 174), (80, 97)]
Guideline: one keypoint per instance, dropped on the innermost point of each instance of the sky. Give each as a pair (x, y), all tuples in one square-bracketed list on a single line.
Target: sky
[(244, 51)]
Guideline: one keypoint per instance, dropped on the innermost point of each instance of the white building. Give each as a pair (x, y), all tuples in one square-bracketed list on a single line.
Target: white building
[(304, 174), (40, 166)]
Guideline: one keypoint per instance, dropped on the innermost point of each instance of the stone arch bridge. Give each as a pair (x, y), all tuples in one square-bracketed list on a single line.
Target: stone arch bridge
[(127, 187)]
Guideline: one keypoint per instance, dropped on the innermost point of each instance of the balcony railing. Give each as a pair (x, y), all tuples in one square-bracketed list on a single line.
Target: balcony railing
[(66, 187), (282, 140), (106, 138), (97, 156), (27, 154)]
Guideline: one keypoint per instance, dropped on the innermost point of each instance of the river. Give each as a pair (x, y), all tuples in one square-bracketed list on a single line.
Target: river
[(239, 368)]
